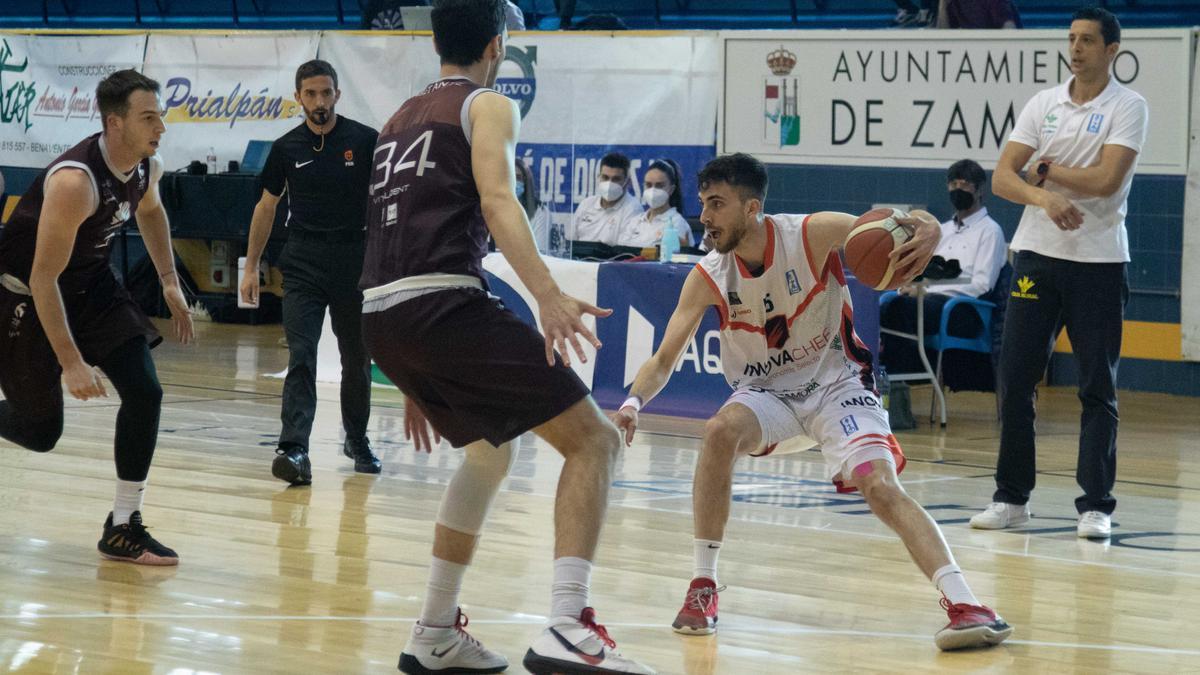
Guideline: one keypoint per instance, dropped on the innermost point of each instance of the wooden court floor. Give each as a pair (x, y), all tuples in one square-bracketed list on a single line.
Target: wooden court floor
[(328, 579)]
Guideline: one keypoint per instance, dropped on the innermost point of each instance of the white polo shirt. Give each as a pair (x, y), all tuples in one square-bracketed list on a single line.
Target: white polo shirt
[(1073, 135), (645, 231), (979, 247), (592, 222)]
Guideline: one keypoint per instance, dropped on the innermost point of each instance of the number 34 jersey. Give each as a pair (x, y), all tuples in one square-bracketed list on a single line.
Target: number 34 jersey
[(423, 210), (790, 328)]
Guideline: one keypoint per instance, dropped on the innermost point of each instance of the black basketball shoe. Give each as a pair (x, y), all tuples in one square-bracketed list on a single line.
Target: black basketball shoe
[(359, 450), (132, 543), (291, 464)]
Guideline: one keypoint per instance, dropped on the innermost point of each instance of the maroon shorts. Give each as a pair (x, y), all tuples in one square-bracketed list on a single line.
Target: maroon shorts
[(476, 370), (101, 319)]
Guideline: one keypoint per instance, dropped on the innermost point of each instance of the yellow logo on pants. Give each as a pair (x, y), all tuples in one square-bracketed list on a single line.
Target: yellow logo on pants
[(1024, 284)]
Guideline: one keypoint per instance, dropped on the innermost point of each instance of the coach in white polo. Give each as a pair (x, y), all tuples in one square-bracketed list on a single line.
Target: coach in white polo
[(1071, 252)]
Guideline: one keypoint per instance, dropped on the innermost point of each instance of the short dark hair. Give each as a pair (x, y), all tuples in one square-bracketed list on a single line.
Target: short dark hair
[(462, 29), (112, 94), (740, 171), (1110, 28), (968, 170), (315, 68), (615, 160)]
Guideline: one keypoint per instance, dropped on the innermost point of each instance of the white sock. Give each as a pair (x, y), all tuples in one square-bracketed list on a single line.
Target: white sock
[(950, 581), (128, 500), (441, 593), (706, 558), (569, 594)]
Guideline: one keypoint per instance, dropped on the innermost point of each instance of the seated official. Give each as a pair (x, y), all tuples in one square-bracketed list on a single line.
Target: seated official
[(602, 216), (973, 239), (664, 206)]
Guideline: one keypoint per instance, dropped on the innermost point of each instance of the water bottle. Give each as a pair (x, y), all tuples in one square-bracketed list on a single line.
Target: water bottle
[(670, 242), (212, 160)]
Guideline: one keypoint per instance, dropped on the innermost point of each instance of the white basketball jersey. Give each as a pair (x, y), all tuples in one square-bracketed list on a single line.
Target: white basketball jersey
[(789, 330)]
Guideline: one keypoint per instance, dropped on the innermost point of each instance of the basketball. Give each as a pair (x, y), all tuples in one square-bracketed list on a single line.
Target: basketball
[(874, 236)]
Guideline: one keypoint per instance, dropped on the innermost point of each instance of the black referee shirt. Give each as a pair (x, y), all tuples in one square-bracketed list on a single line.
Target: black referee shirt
[(327, 189)]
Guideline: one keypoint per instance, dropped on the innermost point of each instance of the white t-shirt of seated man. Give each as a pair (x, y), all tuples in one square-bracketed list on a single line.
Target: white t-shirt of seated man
[(645, 231), (594, 222), (977, 243)]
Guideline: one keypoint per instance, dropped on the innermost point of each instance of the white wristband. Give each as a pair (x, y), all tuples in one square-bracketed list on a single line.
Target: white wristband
[(632, 402)]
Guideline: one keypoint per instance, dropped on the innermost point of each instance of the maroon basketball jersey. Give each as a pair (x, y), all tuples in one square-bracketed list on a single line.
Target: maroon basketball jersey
[(423, 212), (115, 199)]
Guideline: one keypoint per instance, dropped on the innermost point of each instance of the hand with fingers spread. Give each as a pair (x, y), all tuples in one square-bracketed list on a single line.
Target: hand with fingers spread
[(562, 323), (1065, 215), (626, 419), (83, 381), (181, 315), (911, 257), (417, 428)]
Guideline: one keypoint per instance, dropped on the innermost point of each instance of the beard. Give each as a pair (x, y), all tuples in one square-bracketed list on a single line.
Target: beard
[(729, 240), (320, 116)]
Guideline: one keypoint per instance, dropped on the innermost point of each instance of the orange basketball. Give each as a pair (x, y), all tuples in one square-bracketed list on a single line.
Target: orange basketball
[(875, 234)]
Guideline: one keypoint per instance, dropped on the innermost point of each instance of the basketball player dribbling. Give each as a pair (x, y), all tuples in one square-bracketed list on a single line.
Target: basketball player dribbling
[(68, 318), (790, 354), (443, 180)]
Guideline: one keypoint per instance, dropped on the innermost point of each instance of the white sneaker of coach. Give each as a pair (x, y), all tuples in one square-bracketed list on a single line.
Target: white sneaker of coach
[(448, 649), (1094, 525), (998, 516), (578, 645)]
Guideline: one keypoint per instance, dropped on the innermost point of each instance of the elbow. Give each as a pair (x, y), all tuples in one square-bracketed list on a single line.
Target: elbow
[(41, 281), (1108, 188)]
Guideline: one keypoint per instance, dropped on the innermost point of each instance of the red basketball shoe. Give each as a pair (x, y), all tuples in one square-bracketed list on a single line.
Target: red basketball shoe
[(699, 613), (971, 626)]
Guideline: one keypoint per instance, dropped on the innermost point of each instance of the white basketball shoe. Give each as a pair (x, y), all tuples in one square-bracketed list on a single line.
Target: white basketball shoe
[(580, 645), (448, 649), (999, 516), (1094, 525)]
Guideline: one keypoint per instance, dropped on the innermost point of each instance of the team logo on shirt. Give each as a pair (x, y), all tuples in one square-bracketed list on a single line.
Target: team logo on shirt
[(14, 326), (792, 282), (349, 156), (1094, 123), (1023, 286), (1050, 123), (849, 425)]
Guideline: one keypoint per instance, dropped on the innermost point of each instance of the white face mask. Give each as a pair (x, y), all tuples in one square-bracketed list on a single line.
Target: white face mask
[(655, 197), (610, 191)]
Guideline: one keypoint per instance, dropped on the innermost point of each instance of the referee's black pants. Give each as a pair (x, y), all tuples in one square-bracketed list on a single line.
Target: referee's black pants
[(316, 275), (1088, 299)]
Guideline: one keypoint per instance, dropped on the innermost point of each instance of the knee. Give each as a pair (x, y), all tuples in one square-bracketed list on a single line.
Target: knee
[(147, 393), (882, 495), (43, 436), (608, 437), (723, 437)]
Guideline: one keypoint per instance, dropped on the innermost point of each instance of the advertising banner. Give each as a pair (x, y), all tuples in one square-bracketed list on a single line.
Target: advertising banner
[(927, 98), (580, 96), (221, 91), (48, 91)]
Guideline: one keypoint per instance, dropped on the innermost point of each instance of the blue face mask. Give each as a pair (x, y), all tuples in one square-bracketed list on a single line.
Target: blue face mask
[(520, 190)]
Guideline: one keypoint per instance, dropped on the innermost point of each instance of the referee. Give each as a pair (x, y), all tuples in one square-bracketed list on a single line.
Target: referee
[(323, 167)]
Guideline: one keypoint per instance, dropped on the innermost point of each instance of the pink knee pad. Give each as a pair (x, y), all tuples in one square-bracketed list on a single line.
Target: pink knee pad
[(864, 469)]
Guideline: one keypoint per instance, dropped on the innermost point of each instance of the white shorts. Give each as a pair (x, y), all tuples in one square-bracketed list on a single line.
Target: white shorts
[(845, 419)]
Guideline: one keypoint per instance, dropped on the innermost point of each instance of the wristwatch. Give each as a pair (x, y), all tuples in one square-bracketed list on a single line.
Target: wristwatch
[(1043, 169)]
